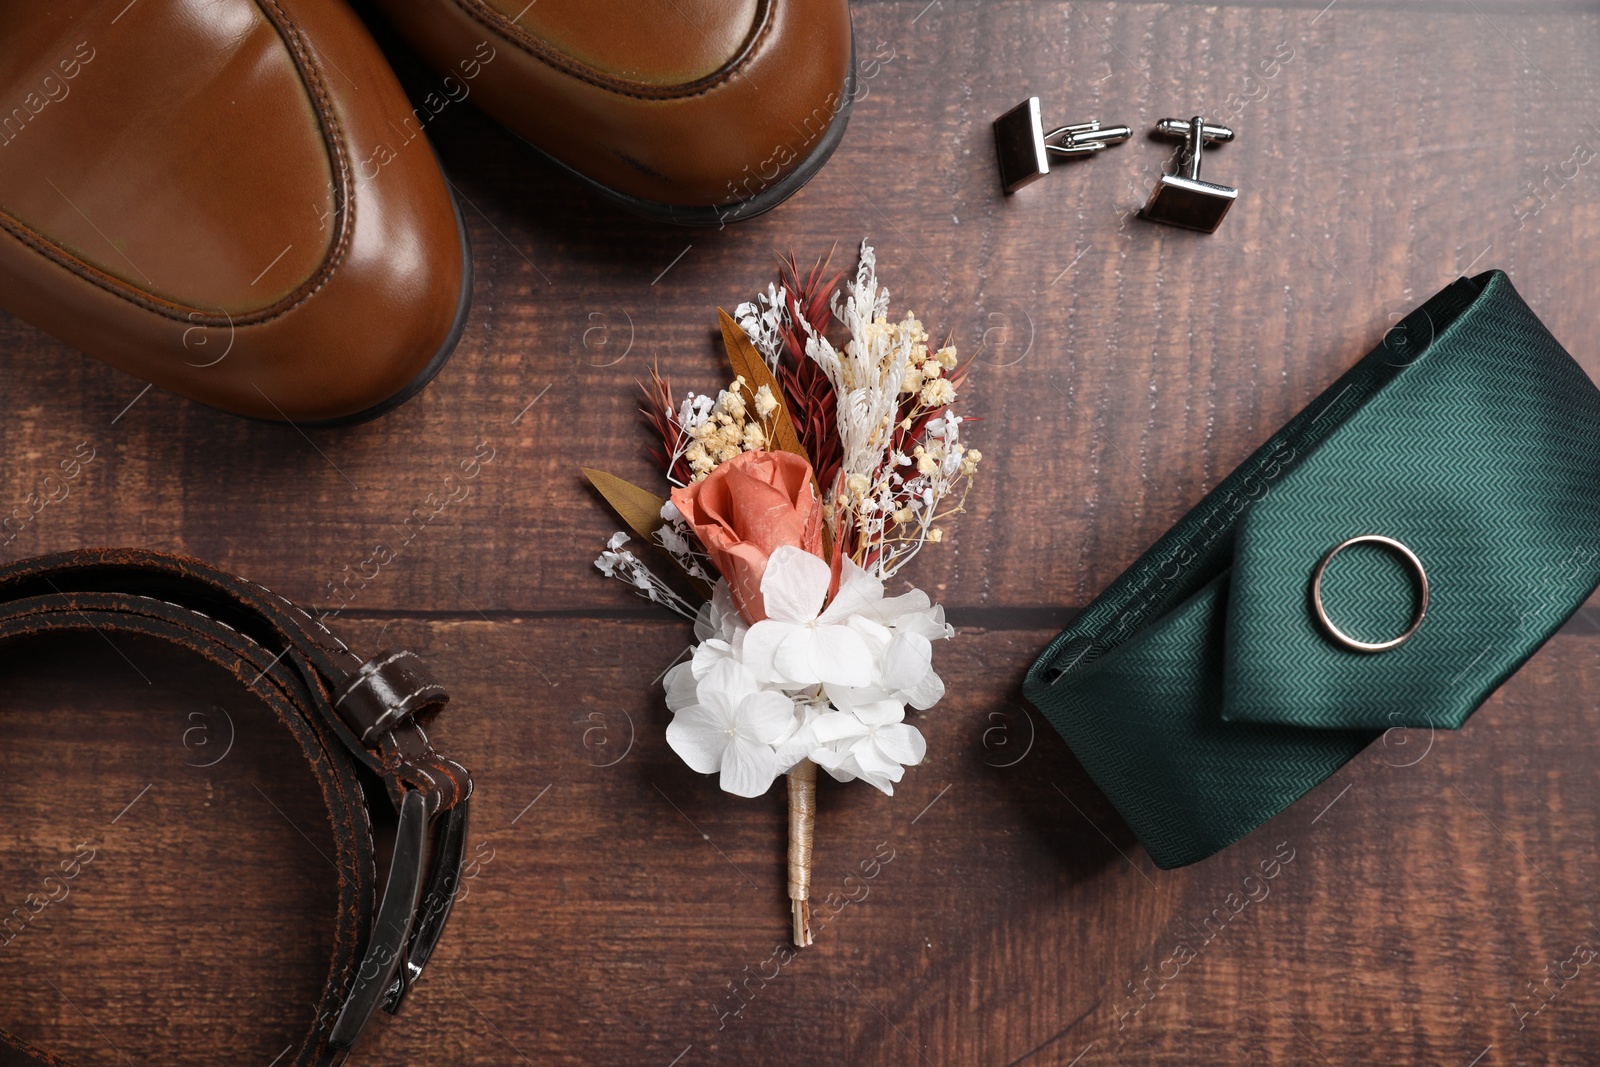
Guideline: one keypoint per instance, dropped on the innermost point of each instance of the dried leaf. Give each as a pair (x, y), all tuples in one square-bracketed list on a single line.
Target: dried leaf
[(639, 508), (748, 364)]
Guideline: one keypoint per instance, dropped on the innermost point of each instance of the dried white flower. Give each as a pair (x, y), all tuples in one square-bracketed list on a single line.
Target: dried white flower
[(621, 564), (887, 380), (732, 729), (763, 320)]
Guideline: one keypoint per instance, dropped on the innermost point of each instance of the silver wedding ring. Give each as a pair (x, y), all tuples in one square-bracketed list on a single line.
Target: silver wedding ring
[(1339, 635)]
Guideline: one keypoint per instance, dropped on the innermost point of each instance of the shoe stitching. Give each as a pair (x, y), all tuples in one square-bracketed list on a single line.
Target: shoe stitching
[(511, 33), (333, 144)]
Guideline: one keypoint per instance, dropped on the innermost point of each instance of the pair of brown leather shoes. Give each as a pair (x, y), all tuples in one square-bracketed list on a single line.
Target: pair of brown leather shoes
[(235, 200)]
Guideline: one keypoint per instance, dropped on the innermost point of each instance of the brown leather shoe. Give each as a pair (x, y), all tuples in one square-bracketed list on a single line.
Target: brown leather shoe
[(218, 196), (690, 111)]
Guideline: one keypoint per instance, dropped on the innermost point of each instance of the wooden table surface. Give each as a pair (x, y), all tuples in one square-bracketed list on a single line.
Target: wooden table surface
[(622, 909)]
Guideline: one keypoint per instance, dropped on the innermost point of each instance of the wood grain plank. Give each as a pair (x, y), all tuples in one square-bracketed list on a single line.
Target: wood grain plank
[(624, 909)]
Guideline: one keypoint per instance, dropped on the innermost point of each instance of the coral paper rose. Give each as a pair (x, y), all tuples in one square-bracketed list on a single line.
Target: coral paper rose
[(748, 508)]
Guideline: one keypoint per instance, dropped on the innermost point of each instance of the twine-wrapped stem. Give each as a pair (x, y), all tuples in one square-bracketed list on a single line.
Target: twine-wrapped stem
[(802, 827)]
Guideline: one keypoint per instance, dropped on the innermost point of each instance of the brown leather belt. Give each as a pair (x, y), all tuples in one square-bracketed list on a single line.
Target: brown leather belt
[(352, 719)]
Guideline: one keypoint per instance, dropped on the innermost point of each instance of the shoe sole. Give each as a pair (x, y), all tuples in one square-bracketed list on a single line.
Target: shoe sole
[(722, 214)]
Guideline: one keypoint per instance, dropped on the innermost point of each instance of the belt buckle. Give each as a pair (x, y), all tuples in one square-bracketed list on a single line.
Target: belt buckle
[(409, 919), (429, 849)]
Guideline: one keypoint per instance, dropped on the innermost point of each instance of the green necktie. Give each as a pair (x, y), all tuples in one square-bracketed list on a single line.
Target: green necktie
[(1201, 692)]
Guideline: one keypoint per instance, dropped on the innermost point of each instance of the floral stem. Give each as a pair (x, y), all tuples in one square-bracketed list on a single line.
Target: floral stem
[(802, 826)]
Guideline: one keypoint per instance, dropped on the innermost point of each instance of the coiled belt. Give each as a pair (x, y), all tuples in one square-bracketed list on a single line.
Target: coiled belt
[(350, 717)]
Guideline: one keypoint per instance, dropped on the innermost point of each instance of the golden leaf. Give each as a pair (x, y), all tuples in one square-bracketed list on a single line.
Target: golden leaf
[(748, 364), (640, 509)]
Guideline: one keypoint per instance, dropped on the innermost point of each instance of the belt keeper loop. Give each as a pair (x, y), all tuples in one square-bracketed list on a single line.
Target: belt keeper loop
[(384, 692)]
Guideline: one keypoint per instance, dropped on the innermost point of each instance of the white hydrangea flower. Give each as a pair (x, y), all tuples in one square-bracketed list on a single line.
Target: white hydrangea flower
[(876, 754), (911, 611), (709, 653), (870, 706), (800, 642), (720, 629), (720, 617), (682, 687), (840, 679), (732, 728), (801, 740)]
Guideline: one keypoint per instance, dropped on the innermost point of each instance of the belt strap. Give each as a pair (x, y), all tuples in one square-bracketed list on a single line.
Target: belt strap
[(350, 717)]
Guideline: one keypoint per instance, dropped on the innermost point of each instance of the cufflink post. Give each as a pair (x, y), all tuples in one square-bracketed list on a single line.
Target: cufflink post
[(1024, 148), (1183, 199), (1084, 138), (1182, 128)]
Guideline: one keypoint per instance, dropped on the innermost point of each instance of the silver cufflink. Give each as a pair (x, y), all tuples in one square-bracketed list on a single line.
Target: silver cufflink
[(1183, 199), (1024, 149)]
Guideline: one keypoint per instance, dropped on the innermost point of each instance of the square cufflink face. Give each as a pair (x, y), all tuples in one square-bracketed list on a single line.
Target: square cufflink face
[(1189, 203), (1019, 144)]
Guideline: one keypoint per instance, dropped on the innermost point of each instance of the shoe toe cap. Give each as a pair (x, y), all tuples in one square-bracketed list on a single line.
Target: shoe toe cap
[(269, 244)]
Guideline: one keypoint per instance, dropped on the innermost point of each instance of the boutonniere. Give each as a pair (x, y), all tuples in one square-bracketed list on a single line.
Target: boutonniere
[(794, 495)]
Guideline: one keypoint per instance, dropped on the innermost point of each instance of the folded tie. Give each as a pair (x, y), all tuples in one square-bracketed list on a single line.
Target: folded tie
[(1201, 690)]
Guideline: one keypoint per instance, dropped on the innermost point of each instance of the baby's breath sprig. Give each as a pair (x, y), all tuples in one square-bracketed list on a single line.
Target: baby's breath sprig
[(704, 431), (619, 563)]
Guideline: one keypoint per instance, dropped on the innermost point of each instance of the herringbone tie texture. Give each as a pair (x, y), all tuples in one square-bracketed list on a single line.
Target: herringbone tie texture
[(1199, 689)]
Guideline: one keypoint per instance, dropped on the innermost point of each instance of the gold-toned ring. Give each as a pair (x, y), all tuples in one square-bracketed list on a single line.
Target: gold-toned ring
[(1339, 635)]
